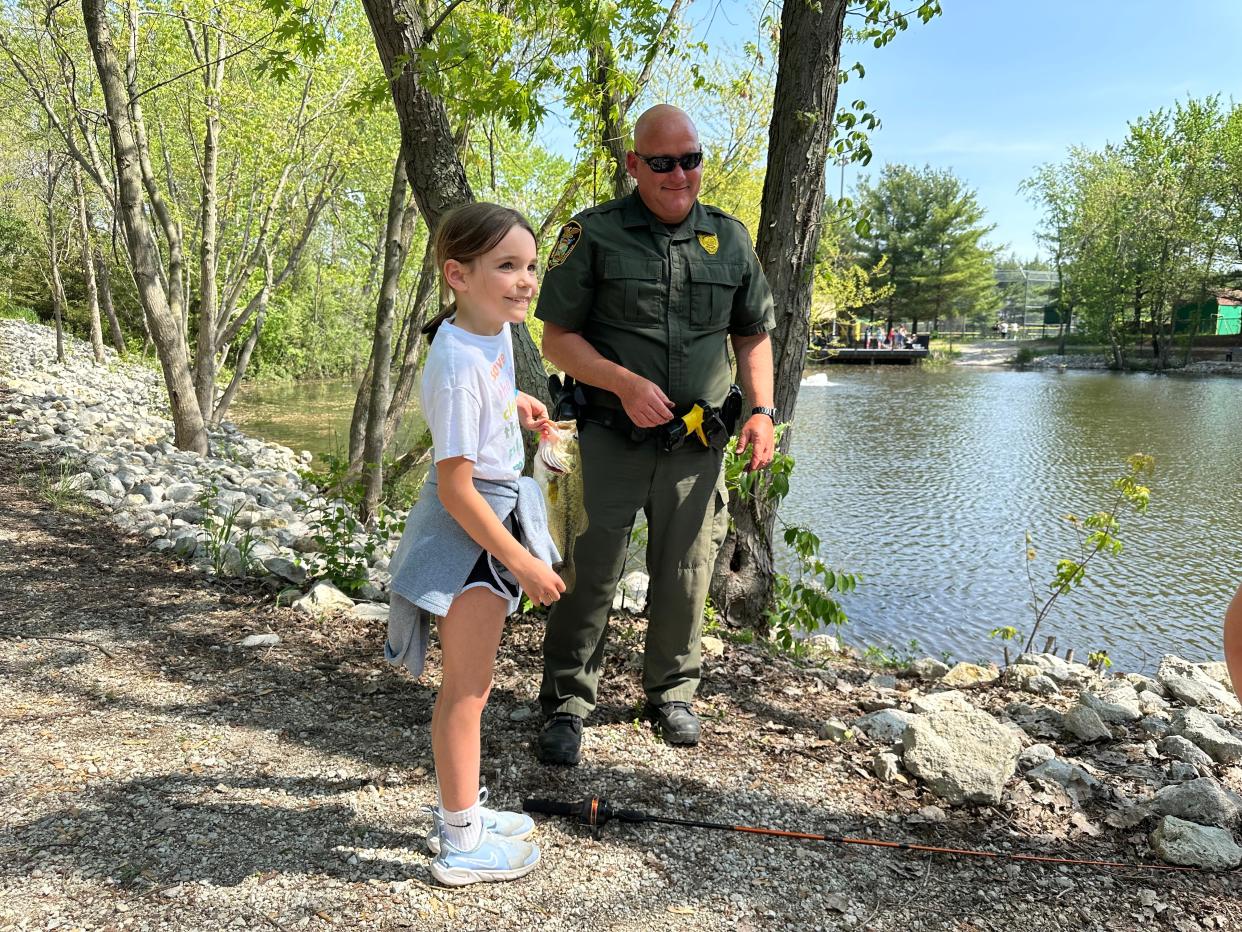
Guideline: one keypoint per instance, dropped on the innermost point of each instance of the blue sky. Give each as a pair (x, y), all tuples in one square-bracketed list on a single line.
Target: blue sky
[(993, 88)]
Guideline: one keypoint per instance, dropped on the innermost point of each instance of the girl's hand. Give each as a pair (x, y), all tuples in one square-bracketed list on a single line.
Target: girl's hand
[(532, 413), (539, 581)]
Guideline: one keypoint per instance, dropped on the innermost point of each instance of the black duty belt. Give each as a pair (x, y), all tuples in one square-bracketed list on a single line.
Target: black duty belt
[(711, 426)]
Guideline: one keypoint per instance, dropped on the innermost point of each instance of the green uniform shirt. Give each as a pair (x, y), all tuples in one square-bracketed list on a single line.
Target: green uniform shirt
[(658, 302)]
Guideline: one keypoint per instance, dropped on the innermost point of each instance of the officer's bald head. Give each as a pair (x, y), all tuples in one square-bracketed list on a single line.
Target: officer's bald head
[(664, 130), (658, 120)]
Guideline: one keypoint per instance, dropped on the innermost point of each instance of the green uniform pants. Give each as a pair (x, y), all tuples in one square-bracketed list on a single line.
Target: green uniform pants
[(683, 496)]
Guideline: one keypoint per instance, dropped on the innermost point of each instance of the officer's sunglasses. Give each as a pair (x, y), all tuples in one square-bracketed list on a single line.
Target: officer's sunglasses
[(663, 164)]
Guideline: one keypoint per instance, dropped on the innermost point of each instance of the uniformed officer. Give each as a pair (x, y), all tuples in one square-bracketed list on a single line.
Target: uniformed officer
[(638, 299)]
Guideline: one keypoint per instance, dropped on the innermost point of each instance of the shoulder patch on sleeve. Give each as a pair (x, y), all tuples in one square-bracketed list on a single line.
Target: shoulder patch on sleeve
[(570, 235)]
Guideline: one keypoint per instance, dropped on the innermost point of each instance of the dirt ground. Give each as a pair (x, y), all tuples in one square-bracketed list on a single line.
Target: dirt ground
[(155, 775)]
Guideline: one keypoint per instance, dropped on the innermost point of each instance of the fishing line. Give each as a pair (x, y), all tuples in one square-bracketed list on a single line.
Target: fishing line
[(595, 813)]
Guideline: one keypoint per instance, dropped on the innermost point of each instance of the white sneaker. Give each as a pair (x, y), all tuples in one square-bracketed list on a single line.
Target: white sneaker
[(493, 859), (512, 825)]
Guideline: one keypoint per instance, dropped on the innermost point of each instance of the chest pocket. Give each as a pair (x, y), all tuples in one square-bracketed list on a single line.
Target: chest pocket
[(713, 285), (633, 290)]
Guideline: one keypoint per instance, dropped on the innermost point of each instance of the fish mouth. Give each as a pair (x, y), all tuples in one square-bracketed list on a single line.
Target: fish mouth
[(547, 455)]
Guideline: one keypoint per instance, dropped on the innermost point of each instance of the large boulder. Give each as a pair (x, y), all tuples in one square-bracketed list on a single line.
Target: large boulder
[(1203, 801), (323, 599), (1222, 746), (948, 701), (1194, 687), (1180, 842), (964, 757)]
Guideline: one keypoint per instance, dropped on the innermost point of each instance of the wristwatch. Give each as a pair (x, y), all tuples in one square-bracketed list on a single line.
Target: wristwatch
[(759, 409)]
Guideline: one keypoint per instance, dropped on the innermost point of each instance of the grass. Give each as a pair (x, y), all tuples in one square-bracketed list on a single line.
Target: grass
[(9, 312), (56, 489)]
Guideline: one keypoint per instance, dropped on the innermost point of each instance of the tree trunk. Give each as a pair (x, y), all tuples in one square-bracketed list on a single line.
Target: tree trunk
[(208, 256), (103, 280), (88, 267), (424, 298), (396, 245), (162, 318), (803, 112), (432, 164)]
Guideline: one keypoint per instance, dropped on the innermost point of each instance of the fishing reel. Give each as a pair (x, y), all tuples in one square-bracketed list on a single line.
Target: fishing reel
[(594, 812)]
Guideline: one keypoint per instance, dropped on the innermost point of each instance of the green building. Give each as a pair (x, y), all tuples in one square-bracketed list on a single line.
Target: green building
[(1219, 315)]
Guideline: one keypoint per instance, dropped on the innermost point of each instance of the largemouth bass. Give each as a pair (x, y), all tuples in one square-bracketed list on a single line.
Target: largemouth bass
[(558, 470)]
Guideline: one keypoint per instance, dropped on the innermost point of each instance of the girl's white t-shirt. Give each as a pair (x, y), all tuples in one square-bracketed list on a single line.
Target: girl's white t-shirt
[(469, 398)]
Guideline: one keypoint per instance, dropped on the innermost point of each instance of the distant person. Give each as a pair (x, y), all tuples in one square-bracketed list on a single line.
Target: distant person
[(1233, 640), (892, 337), (474, 541), (1004, 330)]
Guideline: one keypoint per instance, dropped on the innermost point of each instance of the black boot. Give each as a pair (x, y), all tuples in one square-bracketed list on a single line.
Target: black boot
[(560, 739), (675, 722)]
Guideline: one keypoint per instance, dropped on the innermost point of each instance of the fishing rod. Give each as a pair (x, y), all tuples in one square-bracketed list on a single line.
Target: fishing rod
[(596, 813)]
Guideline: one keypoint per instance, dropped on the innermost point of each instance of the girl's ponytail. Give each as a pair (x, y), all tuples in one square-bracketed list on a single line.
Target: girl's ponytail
[(432, 326)]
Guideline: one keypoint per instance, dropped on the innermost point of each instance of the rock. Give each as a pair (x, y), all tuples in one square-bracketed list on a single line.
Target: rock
[(1035, 755), (835, 730), (1155, 725), (885, 726), (1077, 782), (887, 766), (1203, 801), (1062, 672), (712, 646), (950, 700), (182, 492), (970, 674), (1182, 749), (1086, 725), (261, 640), (323, 599), (520, 714), (286, 569), (1151, 703), (928, 668), (881, 681), (1219, 671), (1224, 747), (1116, 702), (1142, 684), (961, 756), (631, 592), (1181, 772), (1038, 684), (1177, 841), (1191, 685), (185, 545), (288, 595), (369, 611)]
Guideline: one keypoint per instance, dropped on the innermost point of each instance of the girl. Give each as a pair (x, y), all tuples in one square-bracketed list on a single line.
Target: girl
[(477, 537)]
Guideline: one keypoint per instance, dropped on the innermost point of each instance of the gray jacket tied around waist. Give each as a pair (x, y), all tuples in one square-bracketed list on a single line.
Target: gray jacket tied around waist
[(436, 555)]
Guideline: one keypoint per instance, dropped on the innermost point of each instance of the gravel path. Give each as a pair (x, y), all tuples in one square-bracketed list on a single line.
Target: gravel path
[(155, 775)]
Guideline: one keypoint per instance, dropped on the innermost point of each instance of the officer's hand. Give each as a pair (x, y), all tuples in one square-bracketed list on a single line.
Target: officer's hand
[(645, 403), (757, 435)]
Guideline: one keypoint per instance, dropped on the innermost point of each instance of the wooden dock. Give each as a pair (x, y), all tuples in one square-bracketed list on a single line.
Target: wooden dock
[(870, 357)]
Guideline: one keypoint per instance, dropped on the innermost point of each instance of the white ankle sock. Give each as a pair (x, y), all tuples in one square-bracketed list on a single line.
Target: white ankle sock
[(464, 829)]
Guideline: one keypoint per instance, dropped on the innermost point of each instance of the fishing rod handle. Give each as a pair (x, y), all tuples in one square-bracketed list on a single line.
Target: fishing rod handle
[(554, 807)]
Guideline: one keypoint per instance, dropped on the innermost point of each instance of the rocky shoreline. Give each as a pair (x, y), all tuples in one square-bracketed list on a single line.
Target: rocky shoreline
[(257, 767)]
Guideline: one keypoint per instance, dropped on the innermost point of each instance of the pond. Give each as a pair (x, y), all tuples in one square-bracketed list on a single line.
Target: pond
[(925, 481)]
